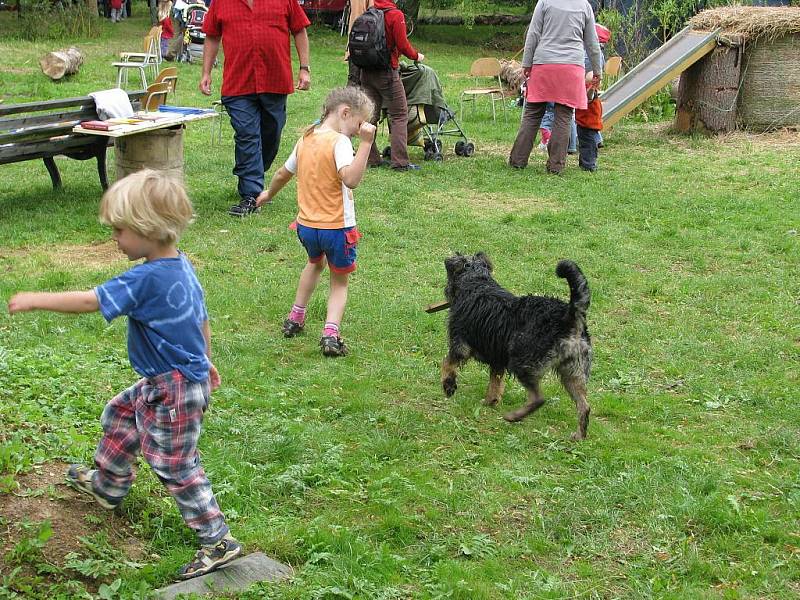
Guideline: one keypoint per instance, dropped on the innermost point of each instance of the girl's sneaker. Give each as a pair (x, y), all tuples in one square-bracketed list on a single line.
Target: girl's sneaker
[(211, 558), (80, 477), (332, 346), (292, 328)]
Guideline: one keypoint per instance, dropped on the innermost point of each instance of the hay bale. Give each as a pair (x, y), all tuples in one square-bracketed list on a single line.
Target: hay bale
[(770, 89), (751, 23)]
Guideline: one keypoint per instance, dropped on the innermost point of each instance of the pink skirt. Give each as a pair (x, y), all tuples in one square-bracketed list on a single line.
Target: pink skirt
[(564, 84)]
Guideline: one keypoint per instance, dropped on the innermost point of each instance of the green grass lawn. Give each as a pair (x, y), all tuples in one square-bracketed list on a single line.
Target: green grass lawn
[(358, 472)]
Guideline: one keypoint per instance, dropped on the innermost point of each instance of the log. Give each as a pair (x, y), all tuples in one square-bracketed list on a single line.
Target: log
[(61, 62), (708, 92), (479, 20)]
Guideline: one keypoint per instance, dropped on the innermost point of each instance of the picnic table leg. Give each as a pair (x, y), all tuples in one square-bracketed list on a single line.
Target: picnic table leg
[(55, 176)]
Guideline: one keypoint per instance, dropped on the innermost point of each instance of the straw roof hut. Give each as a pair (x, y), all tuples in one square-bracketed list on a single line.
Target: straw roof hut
[(752, 80)]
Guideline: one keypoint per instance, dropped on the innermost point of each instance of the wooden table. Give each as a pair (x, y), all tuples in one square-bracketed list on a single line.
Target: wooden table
[(150, 144)]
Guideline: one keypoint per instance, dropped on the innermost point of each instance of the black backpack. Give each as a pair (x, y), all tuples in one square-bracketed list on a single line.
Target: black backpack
[(368, 47)]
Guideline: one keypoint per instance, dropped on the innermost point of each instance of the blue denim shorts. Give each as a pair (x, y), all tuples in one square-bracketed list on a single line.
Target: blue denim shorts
[(337, 245)]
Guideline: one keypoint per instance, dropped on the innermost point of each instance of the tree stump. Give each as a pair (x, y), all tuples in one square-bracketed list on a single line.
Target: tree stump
[(61, 62), (708, 92)]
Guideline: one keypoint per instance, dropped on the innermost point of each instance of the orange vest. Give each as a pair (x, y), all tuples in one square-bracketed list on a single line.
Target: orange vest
[(324, 202)]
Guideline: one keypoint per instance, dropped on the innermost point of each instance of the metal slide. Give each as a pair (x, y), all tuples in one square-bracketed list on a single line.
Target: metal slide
[(655, 71)]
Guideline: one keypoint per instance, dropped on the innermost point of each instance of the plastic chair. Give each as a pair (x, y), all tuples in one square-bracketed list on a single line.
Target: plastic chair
[(149, 59), (484, 68), (169, 76), (156, 96)]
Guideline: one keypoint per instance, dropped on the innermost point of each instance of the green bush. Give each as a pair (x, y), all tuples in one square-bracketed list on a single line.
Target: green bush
[(46, 20)]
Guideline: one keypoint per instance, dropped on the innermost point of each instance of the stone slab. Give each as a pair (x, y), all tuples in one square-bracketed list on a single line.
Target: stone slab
[(236, 576)]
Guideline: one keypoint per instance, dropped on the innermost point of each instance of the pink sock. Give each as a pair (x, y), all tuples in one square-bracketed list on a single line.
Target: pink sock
[(298, 314), (331, 329)]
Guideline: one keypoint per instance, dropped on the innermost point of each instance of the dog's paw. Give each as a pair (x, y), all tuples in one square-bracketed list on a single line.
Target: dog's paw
[(577, 436), (449, 386), (513, 417), (491, 401)]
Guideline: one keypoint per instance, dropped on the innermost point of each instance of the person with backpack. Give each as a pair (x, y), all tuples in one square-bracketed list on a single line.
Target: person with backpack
[(377, 39)]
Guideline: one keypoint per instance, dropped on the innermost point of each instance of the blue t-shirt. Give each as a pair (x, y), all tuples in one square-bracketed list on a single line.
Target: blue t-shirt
[(166, 309)]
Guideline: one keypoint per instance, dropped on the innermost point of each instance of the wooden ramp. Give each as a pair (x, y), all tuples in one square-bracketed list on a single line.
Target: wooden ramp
[(654, 72)]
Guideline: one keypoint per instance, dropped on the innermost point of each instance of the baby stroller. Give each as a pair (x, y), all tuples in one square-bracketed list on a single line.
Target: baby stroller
[(193, 36), (429, 117)]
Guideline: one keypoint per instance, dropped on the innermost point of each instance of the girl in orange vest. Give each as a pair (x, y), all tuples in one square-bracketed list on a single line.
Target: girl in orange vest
[(327, 172)]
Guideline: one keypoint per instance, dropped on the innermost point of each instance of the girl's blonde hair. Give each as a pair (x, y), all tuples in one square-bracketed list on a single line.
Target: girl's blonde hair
[(164, 10), (351, 96), (150, 203)]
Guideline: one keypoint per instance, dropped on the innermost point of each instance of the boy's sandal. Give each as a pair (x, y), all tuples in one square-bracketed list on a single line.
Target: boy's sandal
[(80, 478), (332, 346), (291, 328), (210, 558)]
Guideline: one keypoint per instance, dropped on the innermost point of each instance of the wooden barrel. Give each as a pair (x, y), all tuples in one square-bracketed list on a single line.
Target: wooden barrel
[(770, 96), (159, 149)]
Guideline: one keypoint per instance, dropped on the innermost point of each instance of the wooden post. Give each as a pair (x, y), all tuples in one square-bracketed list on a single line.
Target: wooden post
[(708, 91), (61, 62)]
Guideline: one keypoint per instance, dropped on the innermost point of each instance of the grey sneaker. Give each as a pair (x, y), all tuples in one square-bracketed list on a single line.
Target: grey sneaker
[(332, 346), (246, 207), (292, 328), (80, 478), (211, 558)]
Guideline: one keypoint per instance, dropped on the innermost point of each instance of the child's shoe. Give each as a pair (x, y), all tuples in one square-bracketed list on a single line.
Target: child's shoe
[(247, 206), (80, 477), (332, 346), (292, 328), (211, 558)]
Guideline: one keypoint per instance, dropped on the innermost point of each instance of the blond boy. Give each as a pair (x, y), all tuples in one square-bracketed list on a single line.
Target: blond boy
[(168, 346)]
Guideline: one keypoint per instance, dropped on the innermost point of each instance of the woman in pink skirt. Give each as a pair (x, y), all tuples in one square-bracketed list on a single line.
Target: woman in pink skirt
[(561, 31)]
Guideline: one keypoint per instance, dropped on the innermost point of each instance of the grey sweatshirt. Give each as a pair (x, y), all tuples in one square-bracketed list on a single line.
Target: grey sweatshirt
[(561, 32)]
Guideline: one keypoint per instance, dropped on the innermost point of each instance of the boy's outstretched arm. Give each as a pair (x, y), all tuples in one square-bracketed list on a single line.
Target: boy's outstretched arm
[(281, 178), (213, 375), (66, 302), (351, 174)]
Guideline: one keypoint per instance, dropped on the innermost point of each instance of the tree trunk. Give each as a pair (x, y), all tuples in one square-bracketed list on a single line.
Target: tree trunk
[(708, 92), (61, 62)]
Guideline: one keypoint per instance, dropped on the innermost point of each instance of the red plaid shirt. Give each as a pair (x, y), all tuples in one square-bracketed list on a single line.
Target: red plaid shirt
[(256, 44)]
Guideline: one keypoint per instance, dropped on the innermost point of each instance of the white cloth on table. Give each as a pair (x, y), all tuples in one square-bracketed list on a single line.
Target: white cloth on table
[(112, 104)]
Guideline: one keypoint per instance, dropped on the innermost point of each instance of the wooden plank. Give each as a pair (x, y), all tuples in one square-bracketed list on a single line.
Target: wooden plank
[(88, 101), (82, 114), (41, 132), (28, 151), (437, 306)]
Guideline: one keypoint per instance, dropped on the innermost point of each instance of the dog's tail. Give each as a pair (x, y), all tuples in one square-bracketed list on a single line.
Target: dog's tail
[(579, 295)]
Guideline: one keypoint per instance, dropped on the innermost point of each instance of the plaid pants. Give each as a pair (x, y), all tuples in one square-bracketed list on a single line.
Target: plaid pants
[(161, 417)]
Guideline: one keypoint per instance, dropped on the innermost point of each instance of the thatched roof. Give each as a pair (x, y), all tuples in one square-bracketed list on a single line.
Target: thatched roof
[(750, 22)]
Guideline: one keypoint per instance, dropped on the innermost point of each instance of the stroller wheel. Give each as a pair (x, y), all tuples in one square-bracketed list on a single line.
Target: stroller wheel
[(387, 152), (469, 149), (460, 148)]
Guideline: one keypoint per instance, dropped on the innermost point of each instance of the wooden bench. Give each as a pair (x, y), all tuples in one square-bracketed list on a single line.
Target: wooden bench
[(43, 130)]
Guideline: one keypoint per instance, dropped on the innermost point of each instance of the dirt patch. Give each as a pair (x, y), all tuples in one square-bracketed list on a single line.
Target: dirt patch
[(500, 202), (41, 496), (86, 256), (16, 70), (773, 140)]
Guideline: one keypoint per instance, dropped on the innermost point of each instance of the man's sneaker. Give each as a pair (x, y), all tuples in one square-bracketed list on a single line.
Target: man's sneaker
[(247, 206), (80, 477), (332, 346), (292, 328), (211, 558)]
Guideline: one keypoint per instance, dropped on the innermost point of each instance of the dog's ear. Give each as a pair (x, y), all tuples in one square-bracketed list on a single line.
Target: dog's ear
[(455, 265), (483, 258)]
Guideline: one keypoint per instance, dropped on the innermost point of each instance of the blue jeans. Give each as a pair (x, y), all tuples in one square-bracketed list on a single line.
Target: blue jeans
[(547, 123), (257, 121)]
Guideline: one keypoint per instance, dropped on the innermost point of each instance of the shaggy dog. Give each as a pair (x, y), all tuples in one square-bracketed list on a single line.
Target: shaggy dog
[(524, 335)]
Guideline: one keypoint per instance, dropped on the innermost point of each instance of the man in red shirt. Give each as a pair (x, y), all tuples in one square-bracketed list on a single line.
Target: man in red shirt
[(385, 84), (256, 79)]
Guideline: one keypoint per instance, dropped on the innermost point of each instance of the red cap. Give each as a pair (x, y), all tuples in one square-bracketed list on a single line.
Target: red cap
[(603, 33)]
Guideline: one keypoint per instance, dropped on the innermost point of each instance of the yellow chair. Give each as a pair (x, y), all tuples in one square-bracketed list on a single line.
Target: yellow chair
[(611, 70), (156, 96), (142, 61), (485, 68), (170, 77)]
